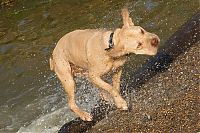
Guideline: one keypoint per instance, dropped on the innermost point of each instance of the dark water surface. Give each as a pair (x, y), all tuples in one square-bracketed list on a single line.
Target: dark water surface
[(31, 95)]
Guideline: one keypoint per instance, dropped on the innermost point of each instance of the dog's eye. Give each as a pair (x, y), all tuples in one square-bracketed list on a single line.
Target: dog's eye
[(139, 46), (142, 31)]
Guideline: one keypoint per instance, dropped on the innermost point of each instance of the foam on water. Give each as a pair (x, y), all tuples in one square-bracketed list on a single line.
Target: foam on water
[(49, 123), (48, 113)]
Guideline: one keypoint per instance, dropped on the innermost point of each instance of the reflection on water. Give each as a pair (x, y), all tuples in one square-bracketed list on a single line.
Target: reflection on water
[(30, 94)]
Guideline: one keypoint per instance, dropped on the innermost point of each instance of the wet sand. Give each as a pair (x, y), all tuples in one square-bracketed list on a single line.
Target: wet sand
[(168, 102)]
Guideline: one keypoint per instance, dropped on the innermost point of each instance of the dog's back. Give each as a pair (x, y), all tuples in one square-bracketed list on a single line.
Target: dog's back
[(73, 46)]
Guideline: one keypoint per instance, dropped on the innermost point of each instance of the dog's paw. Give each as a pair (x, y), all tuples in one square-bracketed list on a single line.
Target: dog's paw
[(85, 116), (121, 103)]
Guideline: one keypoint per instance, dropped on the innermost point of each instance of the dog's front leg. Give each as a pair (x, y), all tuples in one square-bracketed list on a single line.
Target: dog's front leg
[(117, 67), (119, 101), (116, 80), (116, 84)]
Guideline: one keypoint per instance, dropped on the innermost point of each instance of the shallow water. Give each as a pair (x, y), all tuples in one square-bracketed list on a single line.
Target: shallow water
[(31, 97)]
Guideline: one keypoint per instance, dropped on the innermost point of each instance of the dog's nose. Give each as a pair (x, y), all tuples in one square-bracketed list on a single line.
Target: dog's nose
[(154, 42)]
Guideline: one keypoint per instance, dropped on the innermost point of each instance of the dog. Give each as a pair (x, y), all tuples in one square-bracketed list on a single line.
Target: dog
[(94, 53)]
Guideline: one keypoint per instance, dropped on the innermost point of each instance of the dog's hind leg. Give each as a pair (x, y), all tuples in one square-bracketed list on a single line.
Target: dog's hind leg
[(63, 71)]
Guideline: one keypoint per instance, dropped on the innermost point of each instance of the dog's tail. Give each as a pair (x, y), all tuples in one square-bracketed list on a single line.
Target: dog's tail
[(51, 63)]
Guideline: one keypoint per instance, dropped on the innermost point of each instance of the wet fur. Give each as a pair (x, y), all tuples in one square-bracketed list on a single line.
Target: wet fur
[(83, 52)]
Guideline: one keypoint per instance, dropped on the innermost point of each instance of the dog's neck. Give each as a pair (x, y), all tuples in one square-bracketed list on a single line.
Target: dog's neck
[(116, 51)]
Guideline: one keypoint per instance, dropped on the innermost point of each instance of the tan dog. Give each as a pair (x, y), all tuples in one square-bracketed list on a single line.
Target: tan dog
[(96, 52)]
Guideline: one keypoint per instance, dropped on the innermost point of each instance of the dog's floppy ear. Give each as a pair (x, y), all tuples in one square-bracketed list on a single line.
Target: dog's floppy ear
[(127, 21)]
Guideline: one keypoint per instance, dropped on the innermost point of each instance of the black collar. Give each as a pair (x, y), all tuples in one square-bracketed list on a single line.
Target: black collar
[(110, 42)]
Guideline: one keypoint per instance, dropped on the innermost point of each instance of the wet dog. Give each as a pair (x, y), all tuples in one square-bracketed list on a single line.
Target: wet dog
[(94, 53)]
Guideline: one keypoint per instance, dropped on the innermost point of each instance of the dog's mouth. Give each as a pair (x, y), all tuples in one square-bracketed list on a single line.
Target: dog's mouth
[(154, 53)]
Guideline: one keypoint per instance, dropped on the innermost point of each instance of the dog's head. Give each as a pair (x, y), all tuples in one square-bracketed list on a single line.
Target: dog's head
[(134, 39)]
